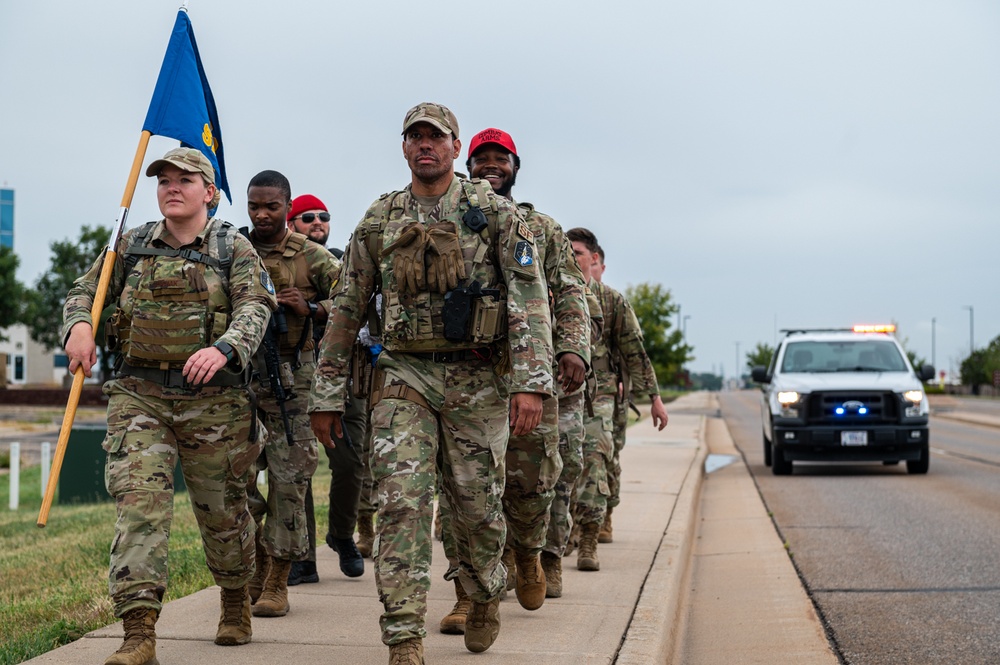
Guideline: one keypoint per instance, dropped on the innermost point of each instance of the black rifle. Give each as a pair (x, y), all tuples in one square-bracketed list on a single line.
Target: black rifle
[(272, 364)]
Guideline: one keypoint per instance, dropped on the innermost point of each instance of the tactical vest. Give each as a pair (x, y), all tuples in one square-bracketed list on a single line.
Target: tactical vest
[(290, 269), (177, 305), (413, 322)]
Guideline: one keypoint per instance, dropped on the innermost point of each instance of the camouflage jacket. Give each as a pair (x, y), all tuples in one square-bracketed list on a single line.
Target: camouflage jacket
[(247, 304), (506, 261), (298, 262), (619, 355), (571, 330)]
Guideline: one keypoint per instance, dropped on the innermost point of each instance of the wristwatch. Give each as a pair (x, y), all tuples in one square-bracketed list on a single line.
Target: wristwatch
[(228, 351), (313, 308)]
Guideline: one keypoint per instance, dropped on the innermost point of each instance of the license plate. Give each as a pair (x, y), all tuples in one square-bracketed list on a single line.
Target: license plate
[(854, 438)]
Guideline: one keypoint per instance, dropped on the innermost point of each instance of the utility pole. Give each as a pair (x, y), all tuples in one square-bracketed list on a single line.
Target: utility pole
[(972, 338), (737, 370)]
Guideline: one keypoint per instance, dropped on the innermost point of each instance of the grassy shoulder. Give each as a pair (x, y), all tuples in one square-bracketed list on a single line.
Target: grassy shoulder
[(54, 581)]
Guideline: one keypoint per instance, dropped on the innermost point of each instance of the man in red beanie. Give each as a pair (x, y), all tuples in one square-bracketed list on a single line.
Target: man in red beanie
[(309, 216)]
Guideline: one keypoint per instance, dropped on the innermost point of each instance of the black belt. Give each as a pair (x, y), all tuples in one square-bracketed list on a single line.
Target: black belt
[(174, 378), (482, 354)]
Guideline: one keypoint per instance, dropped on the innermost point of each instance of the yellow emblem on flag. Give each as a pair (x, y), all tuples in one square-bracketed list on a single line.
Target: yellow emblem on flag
[(206, 136)]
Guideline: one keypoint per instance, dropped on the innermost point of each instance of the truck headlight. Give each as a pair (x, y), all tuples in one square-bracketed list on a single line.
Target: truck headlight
[(787, 398), (913, 400)]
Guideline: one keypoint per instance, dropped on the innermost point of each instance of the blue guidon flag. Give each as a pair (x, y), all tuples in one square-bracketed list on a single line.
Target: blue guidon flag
[(182, 107)]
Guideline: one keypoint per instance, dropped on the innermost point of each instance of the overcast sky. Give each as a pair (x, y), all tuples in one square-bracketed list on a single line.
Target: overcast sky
[(775, 163)]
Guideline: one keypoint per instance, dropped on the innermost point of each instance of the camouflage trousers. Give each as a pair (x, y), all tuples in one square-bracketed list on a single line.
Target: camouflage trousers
[(571, 435), (460, 442), (618, 435), (592, 489), (533, 467), (368, 502), (284, 533), (147, 434), (347, 470)]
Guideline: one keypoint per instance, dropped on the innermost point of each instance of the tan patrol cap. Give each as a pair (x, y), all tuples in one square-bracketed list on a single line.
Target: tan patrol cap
[(186, 159), (434, 114)]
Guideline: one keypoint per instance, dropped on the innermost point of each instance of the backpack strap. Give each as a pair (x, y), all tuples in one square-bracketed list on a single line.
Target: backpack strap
[(138, 241), (220, 243)]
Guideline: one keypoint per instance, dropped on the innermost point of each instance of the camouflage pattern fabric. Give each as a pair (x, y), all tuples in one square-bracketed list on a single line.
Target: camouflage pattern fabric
[(146, 436), (282, 513), (571, 436), (247, 304), (464, 434), (150, 426), (615, 471), (592, 489), (310, 268)]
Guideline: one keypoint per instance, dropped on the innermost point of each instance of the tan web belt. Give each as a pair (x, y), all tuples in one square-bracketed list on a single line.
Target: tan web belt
[(174, 378), (398, 391)]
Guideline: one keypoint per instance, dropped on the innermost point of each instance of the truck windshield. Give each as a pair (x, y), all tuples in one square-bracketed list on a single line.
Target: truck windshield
[(846, 356)]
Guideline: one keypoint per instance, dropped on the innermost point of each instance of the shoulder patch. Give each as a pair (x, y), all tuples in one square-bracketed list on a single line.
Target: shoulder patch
[(524, 231), (524, 253), (265, 281)]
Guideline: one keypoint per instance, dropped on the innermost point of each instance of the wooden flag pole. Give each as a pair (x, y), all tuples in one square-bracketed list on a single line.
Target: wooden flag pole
[(95, 314)]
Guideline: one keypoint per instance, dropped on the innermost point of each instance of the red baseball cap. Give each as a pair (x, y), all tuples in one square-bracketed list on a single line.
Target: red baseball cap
[(305, 202), (492, 135)]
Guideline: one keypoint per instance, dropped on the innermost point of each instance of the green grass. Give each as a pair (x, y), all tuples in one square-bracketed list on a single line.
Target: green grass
[(54, 581)]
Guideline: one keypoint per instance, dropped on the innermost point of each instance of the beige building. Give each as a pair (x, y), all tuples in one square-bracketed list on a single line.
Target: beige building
[(26, 362)]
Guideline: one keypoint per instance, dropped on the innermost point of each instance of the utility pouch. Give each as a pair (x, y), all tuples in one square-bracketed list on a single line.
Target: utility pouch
[(115, 330), (468, 305), (287, 379), (456, 313), (361, 371), (489, 318)]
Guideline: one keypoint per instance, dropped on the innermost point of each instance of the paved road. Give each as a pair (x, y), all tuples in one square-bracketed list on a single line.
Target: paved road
[(903, 569)]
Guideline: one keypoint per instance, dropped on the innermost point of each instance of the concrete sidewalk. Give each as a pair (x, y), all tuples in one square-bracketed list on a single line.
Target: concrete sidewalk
[(624, 613)]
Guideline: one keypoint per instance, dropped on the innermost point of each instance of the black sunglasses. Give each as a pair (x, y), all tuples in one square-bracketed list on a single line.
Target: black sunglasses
[(308, 217)]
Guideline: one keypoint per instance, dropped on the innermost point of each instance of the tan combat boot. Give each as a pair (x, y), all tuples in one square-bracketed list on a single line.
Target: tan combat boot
[(263, 567), (587, 559), (482, 625), (366, 535), (234, 622), (139, 647), (410, 652), (552, 567), (510, 562), (273, 602), (454, 622), (530, 581)]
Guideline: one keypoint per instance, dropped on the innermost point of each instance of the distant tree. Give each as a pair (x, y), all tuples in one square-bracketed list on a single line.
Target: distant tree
[(665, 347), (706, 381), (44, 306), (761, 355), (978, 367), (11, 291)]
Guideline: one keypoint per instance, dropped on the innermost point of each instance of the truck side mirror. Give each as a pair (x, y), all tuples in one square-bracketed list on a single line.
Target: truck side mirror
[(926, 372), (760, 375)]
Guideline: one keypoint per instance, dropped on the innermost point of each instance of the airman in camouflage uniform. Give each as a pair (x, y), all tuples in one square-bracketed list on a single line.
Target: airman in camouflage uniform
[(620, 342), (467, 358), (533, 460), (192, 300), (303, 274)]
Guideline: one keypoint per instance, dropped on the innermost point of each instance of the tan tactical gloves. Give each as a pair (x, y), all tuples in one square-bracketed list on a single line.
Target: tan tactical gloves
[(427, 258), (445, 264)]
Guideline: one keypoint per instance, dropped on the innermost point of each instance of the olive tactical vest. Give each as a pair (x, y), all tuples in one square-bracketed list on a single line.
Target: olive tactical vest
[(413, 322), (287, 269), (175, 306)]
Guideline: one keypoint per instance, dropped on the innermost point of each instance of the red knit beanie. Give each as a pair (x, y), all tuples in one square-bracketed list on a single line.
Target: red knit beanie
[(305, 202)]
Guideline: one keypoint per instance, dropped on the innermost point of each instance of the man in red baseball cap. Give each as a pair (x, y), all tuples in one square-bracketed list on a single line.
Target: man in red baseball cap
[(309, 216), (533, 461)]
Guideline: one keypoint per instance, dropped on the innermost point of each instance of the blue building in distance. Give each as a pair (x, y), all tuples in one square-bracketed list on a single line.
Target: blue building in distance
[(7, 218)]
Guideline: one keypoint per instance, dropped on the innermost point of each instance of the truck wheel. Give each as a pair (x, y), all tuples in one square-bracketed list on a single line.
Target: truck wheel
[(920, 465), (779, 465), (767, 450)]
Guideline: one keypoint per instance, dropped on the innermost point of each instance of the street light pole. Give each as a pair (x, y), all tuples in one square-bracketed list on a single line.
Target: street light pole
[(972, 338), (737, 369), (933, 343)]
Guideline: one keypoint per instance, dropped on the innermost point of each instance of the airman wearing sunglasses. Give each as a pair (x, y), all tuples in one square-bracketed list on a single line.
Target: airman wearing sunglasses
[(308, 215), (303, 274)]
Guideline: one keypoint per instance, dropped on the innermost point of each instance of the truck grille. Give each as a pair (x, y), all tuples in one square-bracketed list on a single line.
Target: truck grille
[(882, 408)]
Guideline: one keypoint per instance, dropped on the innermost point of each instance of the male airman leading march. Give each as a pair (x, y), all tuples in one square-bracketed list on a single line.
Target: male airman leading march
[(467, 360)]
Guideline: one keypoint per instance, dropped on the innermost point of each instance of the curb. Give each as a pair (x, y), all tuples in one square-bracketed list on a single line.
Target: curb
[(654, 630)]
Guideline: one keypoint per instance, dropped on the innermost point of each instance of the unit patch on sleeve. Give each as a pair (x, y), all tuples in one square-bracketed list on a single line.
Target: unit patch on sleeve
[(524, 231), (265, 281), (524, 253)]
